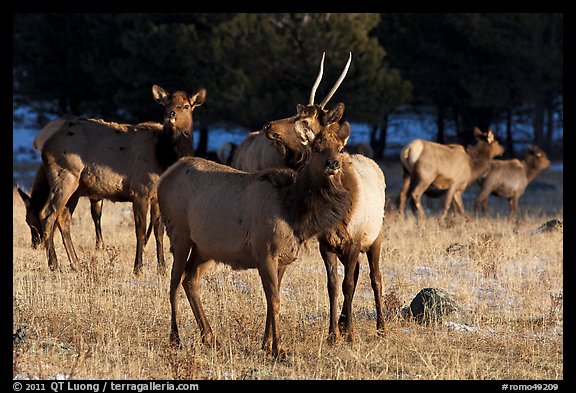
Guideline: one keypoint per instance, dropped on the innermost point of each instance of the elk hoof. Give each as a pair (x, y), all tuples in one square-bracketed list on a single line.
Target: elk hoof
[(175, 341), (210, 341), (279, 354), (333, 338), (137, 270)]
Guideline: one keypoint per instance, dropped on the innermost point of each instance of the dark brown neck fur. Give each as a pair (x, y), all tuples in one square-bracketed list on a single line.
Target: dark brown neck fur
[(172, 145)]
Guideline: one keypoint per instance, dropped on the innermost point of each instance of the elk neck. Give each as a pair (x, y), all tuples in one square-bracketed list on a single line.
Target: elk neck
[(320, 204), (173, 144)]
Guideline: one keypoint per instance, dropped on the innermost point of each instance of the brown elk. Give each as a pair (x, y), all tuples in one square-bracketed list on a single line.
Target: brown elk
[(117, 162), (260, 150), (261, 220), (444, 169), (363, 233), (509, 178), (38, 198)]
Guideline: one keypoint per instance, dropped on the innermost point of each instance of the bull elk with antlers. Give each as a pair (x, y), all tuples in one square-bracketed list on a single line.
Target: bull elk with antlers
[(117, 162), (261, 220), (363, 231), (444, 169), (259, 149)]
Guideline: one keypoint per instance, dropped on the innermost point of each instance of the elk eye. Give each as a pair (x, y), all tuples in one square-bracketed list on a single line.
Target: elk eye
[(186, 106)]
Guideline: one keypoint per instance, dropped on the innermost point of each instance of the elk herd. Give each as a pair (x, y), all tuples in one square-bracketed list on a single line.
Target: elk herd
[(289, 184)]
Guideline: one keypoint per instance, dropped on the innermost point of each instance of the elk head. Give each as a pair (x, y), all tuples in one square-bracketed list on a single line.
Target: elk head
[(32, 219), (486, 146), (178, 108), (296, 132), (328, 149), (537, 158)]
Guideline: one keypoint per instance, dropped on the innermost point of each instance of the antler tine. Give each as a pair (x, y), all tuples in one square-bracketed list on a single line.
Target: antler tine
[(318, 79), (337, 84)]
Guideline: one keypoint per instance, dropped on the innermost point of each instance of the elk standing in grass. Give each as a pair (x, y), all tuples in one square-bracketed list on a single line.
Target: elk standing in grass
[(363, 232), (509, 179), (260, 220), (444, 169), (118, 162), (37, 200)]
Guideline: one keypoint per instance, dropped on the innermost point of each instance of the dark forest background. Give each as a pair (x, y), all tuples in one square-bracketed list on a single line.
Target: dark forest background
[(467, 70)]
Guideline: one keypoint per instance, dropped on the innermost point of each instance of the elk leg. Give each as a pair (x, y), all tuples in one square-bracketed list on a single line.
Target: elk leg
[(373, 255), (403, 193), (64, 223), (448, 198), (180, 250), (268, 329), (191, 283), (140, 208), (331, 263), (351, 272), (269, 275), (459, 203), (417, 192), (482, 201), (65, 185), (156, 222), (96, 212), (513, 206)]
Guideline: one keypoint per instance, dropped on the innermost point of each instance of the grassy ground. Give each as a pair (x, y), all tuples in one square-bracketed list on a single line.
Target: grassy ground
[(104, 323)]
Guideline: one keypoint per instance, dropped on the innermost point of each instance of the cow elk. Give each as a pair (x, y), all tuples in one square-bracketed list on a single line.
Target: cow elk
[(444, 170), (36, 200), (117, 162), (509, 179), (261, 220)]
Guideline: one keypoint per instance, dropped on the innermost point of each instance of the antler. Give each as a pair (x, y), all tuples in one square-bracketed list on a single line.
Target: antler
[(337, 84), (317, 82)]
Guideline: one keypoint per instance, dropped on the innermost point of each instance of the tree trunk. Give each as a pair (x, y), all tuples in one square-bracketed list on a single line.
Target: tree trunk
[(440, 130), (538, 123), (202, 148), (509, 136), (378, 137), (549, 145)]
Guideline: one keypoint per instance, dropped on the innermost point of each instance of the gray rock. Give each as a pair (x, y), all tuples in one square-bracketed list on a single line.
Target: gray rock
[(431, 305), (554, 225)]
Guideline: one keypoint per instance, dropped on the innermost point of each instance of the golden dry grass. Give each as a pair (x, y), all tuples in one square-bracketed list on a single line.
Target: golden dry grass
[(104, 323)]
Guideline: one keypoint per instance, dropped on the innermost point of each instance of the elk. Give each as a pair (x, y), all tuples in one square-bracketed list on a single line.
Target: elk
[(363, 233), (38, 198), (261, 220), (430, 167), (509, 179), (258, 150), (35, 201), (117, 162)]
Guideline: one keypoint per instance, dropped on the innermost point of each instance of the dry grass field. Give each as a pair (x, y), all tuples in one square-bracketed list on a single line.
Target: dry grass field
[(104, 323)]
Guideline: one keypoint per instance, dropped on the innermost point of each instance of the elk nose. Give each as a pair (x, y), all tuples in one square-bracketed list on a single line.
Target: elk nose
[(332, 164), (170, 114), (267, 126)]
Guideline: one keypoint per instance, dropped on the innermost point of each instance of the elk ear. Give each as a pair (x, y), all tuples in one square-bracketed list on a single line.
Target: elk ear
[(478, 133), (25, 198), (159, 94), (334, 115), (344, 132), (300, 108), (199, 97), (489, 136)]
